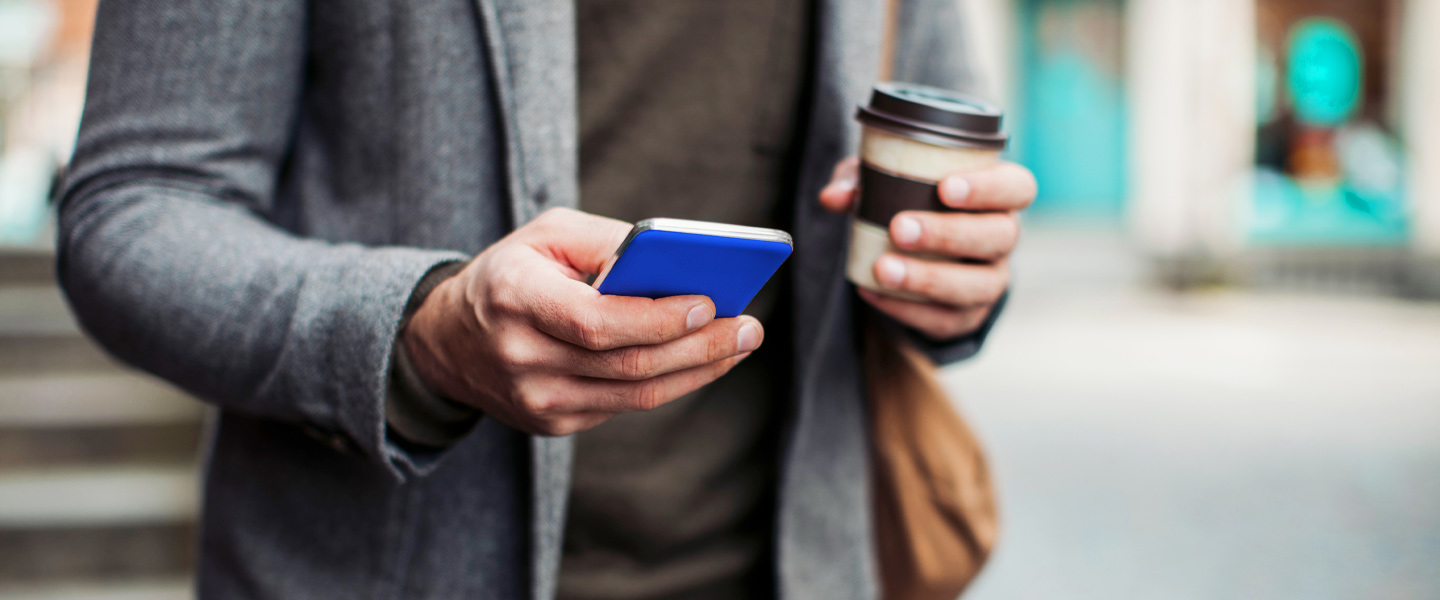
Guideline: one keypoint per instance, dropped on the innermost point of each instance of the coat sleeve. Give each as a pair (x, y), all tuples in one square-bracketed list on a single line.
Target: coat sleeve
[(166, 253)]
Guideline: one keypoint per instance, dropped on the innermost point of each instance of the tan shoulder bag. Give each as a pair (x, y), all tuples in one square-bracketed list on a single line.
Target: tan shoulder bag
[(935, 514)]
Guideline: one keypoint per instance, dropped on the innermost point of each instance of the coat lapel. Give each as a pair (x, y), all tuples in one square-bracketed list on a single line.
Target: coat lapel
[(530, 47), (825, 473), (847, 38)]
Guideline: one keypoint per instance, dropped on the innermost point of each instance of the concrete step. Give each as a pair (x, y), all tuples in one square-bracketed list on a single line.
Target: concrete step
[(81, 497), (27, 265), (144, 589), (35, 309), (95, 419), (87, 524), (150, 443), (38, 333), (36, 354), (92, 400), (51, 557)]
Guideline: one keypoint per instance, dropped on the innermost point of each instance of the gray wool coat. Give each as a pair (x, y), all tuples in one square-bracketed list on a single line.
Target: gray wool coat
[(259, 184)]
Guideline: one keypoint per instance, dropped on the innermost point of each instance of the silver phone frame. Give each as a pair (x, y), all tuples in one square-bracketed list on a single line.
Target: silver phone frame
[(763, 234)]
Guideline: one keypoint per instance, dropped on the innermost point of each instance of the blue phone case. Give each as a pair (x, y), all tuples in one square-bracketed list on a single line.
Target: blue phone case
[(730, 270)]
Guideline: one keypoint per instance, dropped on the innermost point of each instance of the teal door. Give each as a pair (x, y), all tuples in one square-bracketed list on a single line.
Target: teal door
[(1070, 116)]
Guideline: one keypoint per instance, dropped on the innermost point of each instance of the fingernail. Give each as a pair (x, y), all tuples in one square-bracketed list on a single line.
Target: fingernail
[(845, 184), (907, 230), (954, 190), (891, 271), (697, 317), (748, 339)]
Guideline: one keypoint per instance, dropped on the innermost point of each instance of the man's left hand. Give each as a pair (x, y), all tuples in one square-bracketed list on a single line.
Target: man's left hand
[(961, 294)]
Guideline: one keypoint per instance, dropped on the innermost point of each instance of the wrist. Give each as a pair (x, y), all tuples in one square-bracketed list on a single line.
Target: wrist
[(424, 337)]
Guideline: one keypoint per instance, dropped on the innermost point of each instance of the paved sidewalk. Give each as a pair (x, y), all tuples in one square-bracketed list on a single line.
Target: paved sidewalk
[(1207, 445)]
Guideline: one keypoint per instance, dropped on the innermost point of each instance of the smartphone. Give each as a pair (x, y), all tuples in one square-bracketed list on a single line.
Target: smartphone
[(676, 257)]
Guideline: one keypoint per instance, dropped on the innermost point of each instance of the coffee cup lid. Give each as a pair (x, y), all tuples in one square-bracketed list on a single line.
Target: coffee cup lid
[(934, 115)]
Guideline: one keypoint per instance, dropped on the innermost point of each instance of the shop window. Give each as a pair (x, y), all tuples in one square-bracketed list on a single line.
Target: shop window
[(1329, 165)]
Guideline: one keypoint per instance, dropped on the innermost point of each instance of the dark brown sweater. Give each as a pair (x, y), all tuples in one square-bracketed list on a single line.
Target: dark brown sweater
[(688, 109)]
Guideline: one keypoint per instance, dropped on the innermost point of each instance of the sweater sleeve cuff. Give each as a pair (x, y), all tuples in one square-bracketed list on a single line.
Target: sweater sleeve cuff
[(414, 415), (945, 352)]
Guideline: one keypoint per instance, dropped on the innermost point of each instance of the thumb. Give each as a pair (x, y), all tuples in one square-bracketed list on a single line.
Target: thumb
[(839, 194), (579, 240)]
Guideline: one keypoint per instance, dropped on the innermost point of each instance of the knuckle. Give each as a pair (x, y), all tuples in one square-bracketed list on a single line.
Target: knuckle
[(721, 367), (508, 350), (939, 329), (554, 428), (954, 233), (1030, 186), (985, 237), (569, 427), (665, 326), (975, 319), (519, 353), (952, 330), (948, 328), (540, 404), (998, 285), (716, 345), (553, 215), (964, 323), (648, 397), (590, 330), (989, 238), (1007, 234), (549, 222), (921, 279), (506, 292), (636, 363)]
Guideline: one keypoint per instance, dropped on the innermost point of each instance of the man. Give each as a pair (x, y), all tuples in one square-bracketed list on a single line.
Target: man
[(346, 225)]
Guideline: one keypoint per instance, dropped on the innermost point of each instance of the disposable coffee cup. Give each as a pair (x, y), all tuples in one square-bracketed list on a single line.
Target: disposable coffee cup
[(911, 137)]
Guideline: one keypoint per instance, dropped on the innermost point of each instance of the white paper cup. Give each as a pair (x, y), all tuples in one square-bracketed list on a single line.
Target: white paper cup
[(911, 138)]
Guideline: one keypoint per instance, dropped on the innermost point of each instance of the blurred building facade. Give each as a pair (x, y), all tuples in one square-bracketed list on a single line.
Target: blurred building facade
[(1192, 124), (1258, 142)]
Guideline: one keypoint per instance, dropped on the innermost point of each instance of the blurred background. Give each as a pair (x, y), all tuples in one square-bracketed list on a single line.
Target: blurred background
[(1219, 375)]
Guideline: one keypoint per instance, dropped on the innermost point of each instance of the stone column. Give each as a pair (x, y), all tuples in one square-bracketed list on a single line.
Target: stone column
[(1420, 110), (1191, 77)]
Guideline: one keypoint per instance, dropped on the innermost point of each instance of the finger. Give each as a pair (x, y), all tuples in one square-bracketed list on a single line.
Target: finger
[(569, 424), (936, 321), (581, 241), (529, 288), (983, 236), (953, 284), (1005, 186), (721, 339), (545, 406), (839, 194), (595, 321), (608, 395)]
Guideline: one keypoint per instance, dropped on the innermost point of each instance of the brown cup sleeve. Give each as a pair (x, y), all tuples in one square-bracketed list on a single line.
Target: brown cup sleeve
[(884, 194)]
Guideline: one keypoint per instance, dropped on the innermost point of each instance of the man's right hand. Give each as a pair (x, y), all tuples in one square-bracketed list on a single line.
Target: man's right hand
[(519, 335)]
